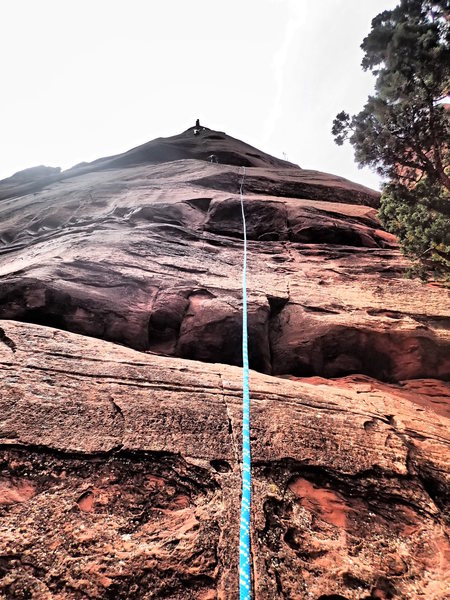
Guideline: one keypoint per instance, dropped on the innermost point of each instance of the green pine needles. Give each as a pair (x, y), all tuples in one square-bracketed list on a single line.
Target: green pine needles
[(403, 131), (420, 219)]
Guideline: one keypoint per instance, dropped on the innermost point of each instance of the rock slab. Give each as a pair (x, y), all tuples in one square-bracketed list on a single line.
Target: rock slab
[(120, 384)]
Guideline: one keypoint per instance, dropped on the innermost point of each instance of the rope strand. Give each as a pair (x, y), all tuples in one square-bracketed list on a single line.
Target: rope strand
[(245, 583)]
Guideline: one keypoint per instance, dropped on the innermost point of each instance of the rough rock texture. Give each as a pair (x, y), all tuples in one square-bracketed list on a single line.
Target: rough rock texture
[(120, 479), (119, 466), (28, 179)]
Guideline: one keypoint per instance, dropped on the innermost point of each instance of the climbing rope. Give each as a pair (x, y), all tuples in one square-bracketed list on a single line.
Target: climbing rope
[(244, 540)]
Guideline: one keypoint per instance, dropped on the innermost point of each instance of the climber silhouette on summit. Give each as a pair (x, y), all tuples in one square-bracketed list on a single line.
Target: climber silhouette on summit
[(198, 127)]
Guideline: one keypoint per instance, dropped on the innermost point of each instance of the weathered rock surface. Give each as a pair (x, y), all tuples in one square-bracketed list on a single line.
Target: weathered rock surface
[(119, 466), (120, 478), (28, 179)]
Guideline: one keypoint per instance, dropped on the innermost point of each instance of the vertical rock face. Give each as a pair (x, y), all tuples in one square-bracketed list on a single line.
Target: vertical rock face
[(120, 417)]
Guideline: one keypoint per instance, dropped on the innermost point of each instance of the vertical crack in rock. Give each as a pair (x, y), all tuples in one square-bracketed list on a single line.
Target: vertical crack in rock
[(119, 416), (288, 249), (7, 340), (252, 553), (278, 584), (288, 288), (230, 424)]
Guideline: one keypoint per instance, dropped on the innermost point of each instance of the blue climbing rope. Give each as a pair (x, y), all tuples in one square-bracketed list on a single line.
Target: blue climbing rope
[(245, 583)]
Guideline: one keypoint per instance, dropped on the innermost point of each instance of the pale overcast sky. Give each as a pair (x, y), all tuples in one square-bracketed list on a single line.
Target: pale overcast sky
[(90, 78)]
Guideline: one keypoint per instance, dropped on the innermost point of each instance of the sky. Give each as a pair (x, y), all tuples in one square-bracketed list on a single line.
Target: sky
[(83, 79)]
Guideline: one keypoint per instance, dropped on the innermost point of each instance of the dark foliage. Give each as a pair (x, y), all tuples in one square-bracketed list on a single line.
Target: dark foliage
[(403, 131)]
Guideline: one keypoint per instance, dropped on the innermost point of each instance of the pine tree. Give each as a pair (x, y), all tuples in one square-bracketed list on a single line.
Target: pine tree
[(403, 131)]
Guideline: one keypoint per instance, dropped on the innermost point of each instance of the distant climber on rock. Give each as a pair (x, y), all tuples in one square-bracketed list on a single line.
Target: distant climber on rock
[(197, 123)]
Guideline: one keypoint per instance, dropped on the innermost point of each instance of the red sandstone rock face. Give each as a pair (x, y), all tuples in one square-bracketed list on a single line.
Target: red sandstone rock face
[(119, 468), (120, 478)]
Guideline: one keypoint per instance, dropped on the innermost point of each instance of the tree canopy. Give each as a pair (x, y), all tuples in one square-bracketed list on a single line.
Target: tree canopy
[(403, 131)]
